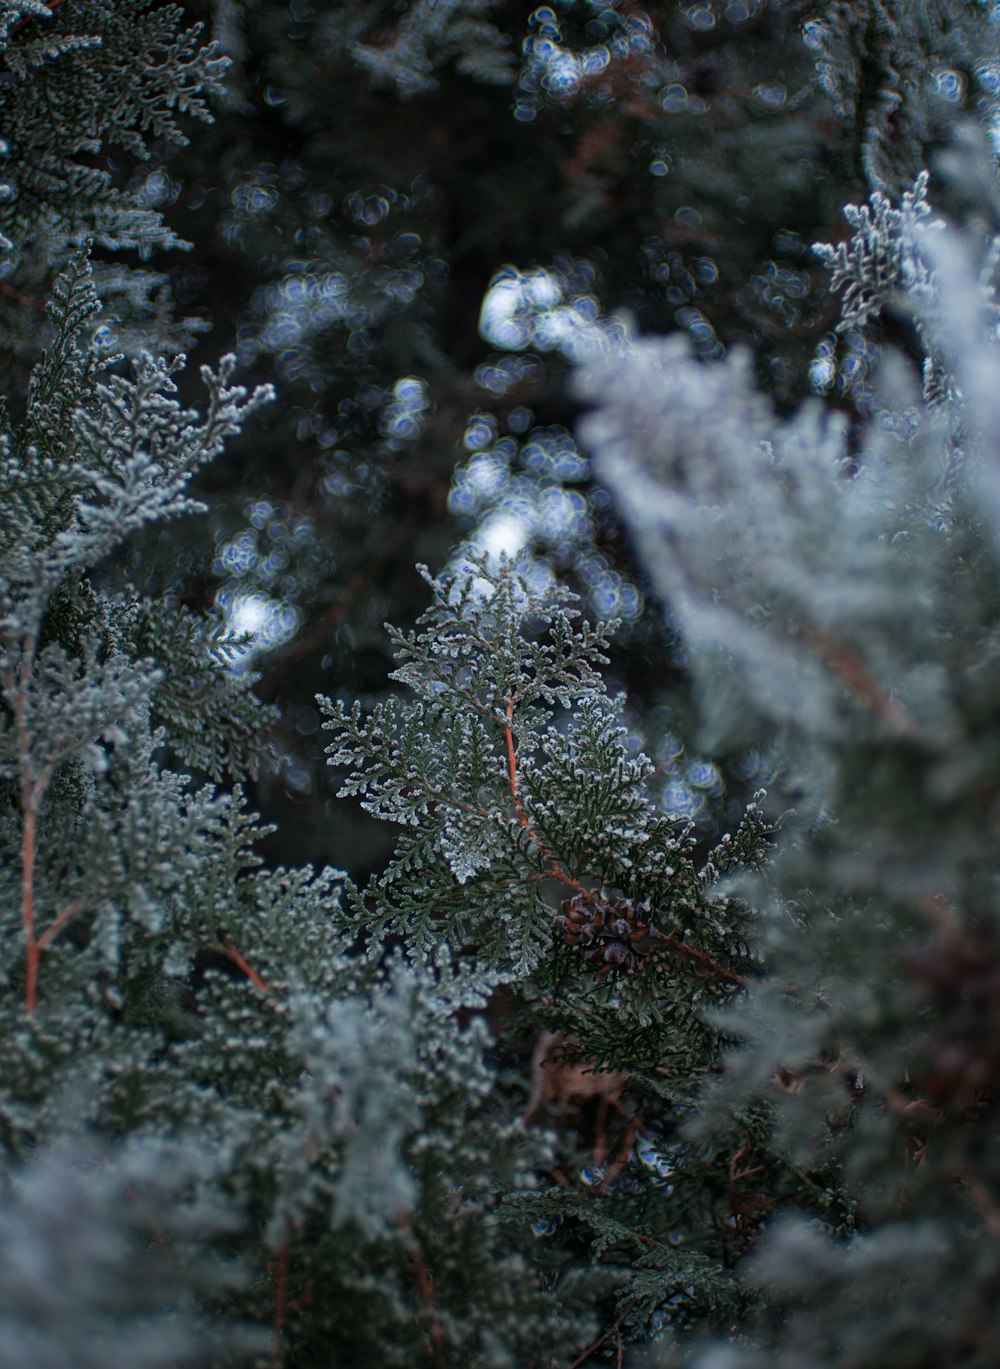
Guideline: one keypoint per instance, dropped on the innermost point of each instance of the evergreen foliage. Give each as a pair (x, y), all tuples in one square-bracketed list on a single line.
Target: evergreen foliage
[(85, 85), (839, 605), (571, 1076)]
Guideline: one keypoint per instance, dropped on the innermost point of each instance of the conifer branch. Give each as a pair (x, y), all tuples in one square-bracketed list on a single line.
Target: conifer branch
[(558, 872), (555, 869), (706, 962), (53, 5), (256, 978)]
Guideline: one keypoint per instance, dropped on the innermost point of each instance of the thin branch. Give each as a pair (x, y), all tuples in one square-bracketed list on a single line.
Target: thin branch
[(861, 680), (50, 934), (19, 297), (53, 6), (613, 1330), (280, 1305), (706, 962), (31, 951), (558, 872), (554, 868), (254, 976), (425, 1283)]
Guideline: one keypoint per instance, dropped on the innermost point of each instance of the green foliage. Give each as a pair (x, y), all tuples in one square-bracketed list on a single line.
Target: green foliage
[(843, 612), (510, 775), (84, 1275), (897, 73), (571, 1074), (517, 794), (86, 85)]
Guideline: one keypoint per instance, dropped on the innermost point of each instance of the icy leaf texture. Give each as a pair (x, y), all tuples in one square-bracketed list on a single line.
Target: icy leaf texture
[(159, 983), (838, 605), (128, 1239), (431, 34), (83, 79), (771, 556), (894, 72), (83, 83), (884, 260), (509, 767)]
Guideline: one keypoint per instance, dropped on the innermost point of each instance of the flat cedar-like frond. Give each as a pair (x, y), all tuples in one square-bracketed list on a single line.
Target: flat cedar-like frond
[(574, 1074)]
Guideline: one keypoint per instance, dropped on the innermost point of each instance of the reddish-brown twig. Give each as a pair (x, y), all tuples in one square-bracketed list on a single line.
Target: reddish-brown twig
[(52, 4), (844, 661), (704, 961), (254, 976), (35, 945), (735, 1173), (425, 1284), (31, 951), (19, 297), (280, 1304), (555, 870), (60, 921), (614, 1330)]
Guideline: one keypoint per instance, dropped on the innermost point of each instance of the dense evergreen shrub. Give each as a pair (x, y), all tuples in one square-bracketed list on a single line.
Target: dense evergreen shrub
[(570, 1076)]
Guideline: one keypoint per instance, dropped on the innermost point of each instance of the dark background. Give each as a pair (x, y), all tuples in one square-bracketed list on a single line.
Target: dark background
[(372, 169)]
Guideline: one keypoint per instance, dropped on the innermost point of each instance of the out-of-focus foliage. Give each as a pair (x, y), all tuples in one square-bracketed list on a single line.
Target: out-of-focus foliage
[(841, 605), (407, 212)]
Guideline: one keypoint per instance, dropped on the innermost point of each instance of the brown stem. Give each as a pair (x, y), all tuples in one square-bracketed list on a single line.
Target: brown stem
[(613, 1330), (554, 868), (32, 951), (861, 680), (254, 976), (49, 935), (280, 1305), (425, 1284), (556, 871), (52, 4), (19, 297), (706, 962)]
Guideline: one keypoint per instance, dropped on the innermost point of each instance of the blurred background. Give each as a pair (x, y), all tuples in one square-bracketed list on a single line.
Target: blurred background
[(405, 216)]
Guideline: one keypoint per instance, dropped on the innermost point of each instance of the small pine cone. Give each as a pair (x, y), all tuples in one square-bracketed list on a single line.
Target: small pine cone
[(611, 934)]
